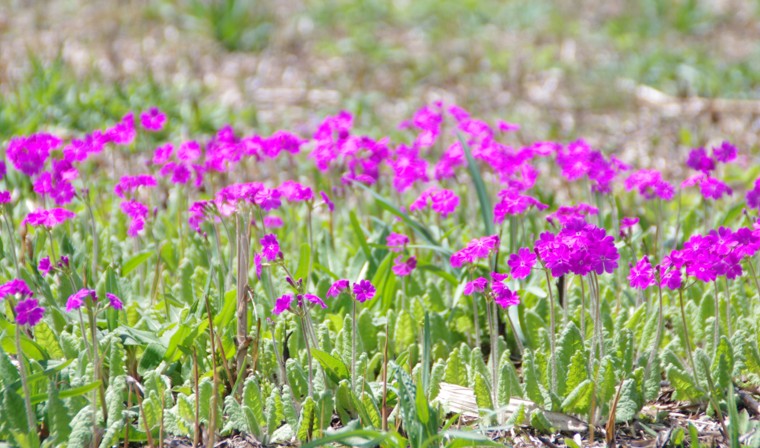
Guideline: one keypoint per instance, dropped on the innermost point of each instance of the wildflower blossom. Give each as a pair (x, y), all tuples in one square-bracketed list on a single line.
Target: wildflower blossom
[(273, 222), (29, 312), (14, 287), (476, 249), (114, 301), (48, 218), (579, 248), (403, 268), (698, 160), (513, 203), (44, 266), (267, 198), (5, 197), (138, 213), (628, 222), (396, 241), (479, 285), (130, 184), (408, 168), (29, 154), (522, 262), (725, 153), (153, 119), (650, 185), (565, 214), (330, 204), (504, 126), (293, 191), (337, 287), (641, 275), (444, 202), (313, 298), (162, 154), (503, 296), (123, 132), (363, 290), (76, 300), (270, 247), (282, 304), (670, 278)]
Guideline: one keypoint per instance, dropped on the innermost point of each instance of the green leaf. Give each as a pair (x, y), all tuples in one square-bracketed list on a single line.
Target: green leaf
[(362, 238), (628, 406), (151, 358), (68, 393), (456, 369), (576, 374), (579, 399), (304, 260), (486, 209), (569, 345), (335, 369), (15, 415), (683, 385), (539, 422), (723, 363), (386, 204), (134, 262), (462, 439), (421, 402), (483, 397), (306, 425)]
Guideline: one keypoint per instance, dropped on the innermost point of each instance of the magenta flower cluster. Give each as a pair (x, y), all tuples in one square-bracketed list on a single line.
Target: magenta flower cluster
[(579, 248)]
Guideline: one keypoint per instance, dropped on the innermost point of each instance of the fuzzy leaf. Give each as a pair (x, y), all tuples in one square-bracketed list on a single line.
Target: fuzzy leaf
[(335, 369), (306, 425), (569, 345), (579, 399)]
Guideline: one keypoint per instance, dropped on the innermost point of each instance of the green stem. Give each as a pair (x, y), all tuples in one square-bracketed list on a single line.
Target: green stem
[(552, 330), (30, 416), (686, 332)]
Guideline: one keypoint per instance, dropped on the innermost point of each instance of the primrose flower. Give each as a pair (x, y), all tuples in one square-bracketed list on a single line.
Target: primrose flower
[(130, 184), (330, 204), (479, 285), (273, 222), (503, 296), (48, 218), (270, 247), (650, 185), (13, 288), (444, 202), (77, 299), (522, 262), (153, 119), (138, 213), (294, 191), (403, 268), (396, 241), (698, 160), (313, 298), (114, 301), (267, 198), (257, 264), (504, 126), (642, 275), (579, 248), (475, 249), (725, 153), (565, 213), (670, 278), (28, 154), (364, 290), (29, 312), (514, 203), (123, 132), (3, 170), (5, 197), (44, 266), (337, 287), (282, 304), (162, 154), (408, 168), (628, 222)]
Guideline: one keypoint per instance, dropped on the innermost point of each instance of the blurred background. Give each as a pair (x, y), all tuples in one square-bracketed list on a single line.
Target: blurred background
[(625, 75)]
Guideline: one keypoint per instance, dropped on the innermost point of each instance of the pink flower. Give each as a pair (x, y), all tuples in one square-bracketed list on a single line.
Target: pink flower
[(163, 154), (503, 296), (311, 298), (153, 119), (189, 151), (330, 204), (44, 266), (396, 242), (725, 153), (48, 218), (338, 287), (130, 184), (514, 203), (642, 275), (114, 301), (273, 222), (13, 288), (77, 299), (270, 247), (28, 154), (267, 198), (282, 304), (444, 202), (670, 278), (29, 312), (699, 160), (123, 132), (403, 268), (293, 191), (507, 127), (475, 249), (257, 264), (364, 290), (565, 214), (479, 285), (522, 262), (650, 184), (628, 222), (138, 213), (5, 197)]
